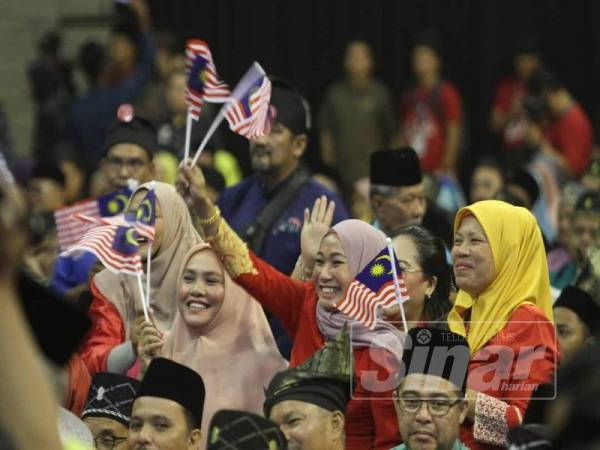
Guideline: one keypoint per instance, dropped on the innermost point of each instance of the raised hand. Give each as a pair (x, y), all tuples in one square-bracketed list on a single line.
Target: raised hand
[(316, 224)]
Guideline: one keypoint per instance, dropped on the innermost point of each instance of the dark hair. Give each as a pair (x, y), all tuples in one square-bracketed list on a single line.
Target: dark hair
[(91, 57), (432, 258), (492, 163)]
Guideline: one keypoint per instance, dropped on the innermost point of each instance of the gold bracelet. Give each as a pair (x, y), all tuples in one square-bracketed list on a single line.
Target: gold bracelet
[(212, 219)]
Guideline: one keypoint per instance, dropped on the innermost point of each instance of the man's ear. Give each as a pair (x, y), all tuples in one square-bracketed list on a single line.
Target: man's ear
[(195, 438), (464, 408), (376, 202), (152, 170), (337, 422), (300, 142)]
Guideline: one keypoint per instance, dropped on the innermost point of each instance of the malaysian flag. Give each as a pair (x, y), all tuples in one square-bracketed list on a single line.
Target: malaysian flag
[(70, 231), (248, 111), (116, 246), (145, 215), (203, 82), (372, 288)]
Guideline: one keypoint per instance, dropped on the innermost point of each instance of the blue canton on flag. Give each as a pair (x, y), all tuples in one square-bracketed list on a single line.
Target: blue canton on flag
[(373, 288)]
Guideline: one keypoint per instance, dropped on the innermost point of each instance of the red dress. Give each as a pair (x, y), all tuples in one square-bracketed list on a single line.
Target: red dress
[(528, 339), (106, 333), (370, 424)]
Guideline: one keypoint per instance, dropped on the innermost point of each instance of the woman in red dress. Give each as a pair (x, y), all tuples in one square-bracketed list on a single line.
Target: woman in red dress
[(307, 309), (504, 309)]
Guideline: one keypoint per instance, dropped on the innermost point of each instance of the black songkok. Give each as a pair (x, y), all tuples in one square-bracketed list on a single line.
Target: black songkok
[(111, 395), (582, 304), (323, 380), (395, 167), (526, 181), (289, 108), (240, 430), (168, 379), (442, 353), (132, 129)]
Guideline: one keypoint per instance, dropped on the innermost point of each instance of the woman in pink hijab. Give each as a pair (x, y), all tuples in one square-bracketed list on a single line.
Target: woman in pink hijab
[(308, 310), (221, 333)]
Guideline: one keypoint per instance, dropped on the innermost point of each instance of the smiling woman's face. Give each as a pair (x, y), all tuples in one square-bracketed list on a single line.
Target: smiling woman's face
[(331, 272), (201, 289), (472, 257)]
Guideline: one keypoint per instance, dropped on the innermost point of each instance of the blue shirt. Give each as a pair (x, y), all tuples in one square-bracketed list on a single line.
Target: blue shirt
[(241, 204)]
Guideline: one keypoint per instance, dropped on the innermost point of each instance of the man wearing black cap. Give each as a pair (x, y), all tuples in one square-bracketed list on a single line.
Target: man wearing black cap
[(130, 147), (577, 320), (430, 400), (396, 192), (309, 401), (240, 430), (167, 411), (108, 409), (267, 208)]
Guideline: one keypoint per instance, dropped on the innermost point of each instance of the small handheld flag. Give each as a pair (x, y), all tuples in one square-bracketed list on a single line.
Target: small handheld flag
[(71, 231), (373, 288), (203, 84), (247, 108), (248, 115), (203, 81)]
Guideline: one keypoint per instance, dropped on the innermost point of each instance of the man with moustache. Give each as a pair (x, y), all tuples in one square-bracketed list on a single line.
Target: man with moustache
[(430, 400), (267, 208)]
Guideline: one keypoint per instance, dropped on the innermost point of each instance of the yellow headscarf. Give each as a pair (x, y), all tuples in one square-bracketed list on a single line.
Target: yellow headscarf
[(521, 271)]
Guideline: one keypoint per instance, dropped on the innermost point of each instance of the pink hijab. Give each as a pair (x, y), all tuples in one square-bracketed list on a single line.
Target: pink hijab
[(361, 243), (235, 354)]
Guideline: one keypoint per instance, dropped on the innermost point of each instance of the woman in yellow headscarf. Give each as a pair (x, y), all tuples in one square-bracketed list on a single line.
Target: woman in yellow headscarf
[(504, 310)]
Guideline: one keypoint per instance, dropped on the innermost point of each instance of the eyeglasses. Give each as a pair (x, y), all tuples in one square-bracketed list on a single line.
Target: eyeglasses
[(436, 406), (132, 164), (108, 442)]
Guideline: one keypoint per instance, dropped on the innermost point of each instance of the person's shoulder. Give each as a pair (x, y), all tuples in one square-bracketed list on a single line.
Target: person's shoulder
[(449, 88), (528, 313), (315, 189), (232, 191)]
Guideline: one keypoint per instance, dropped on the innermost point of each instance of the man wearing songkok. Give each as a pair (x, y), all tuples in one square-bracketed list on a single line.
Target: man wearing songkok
[(240, 430), (267, 208), (167, 411), (308, 402), (397, 193), (108, 409), (577, 320), (430, 400)]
